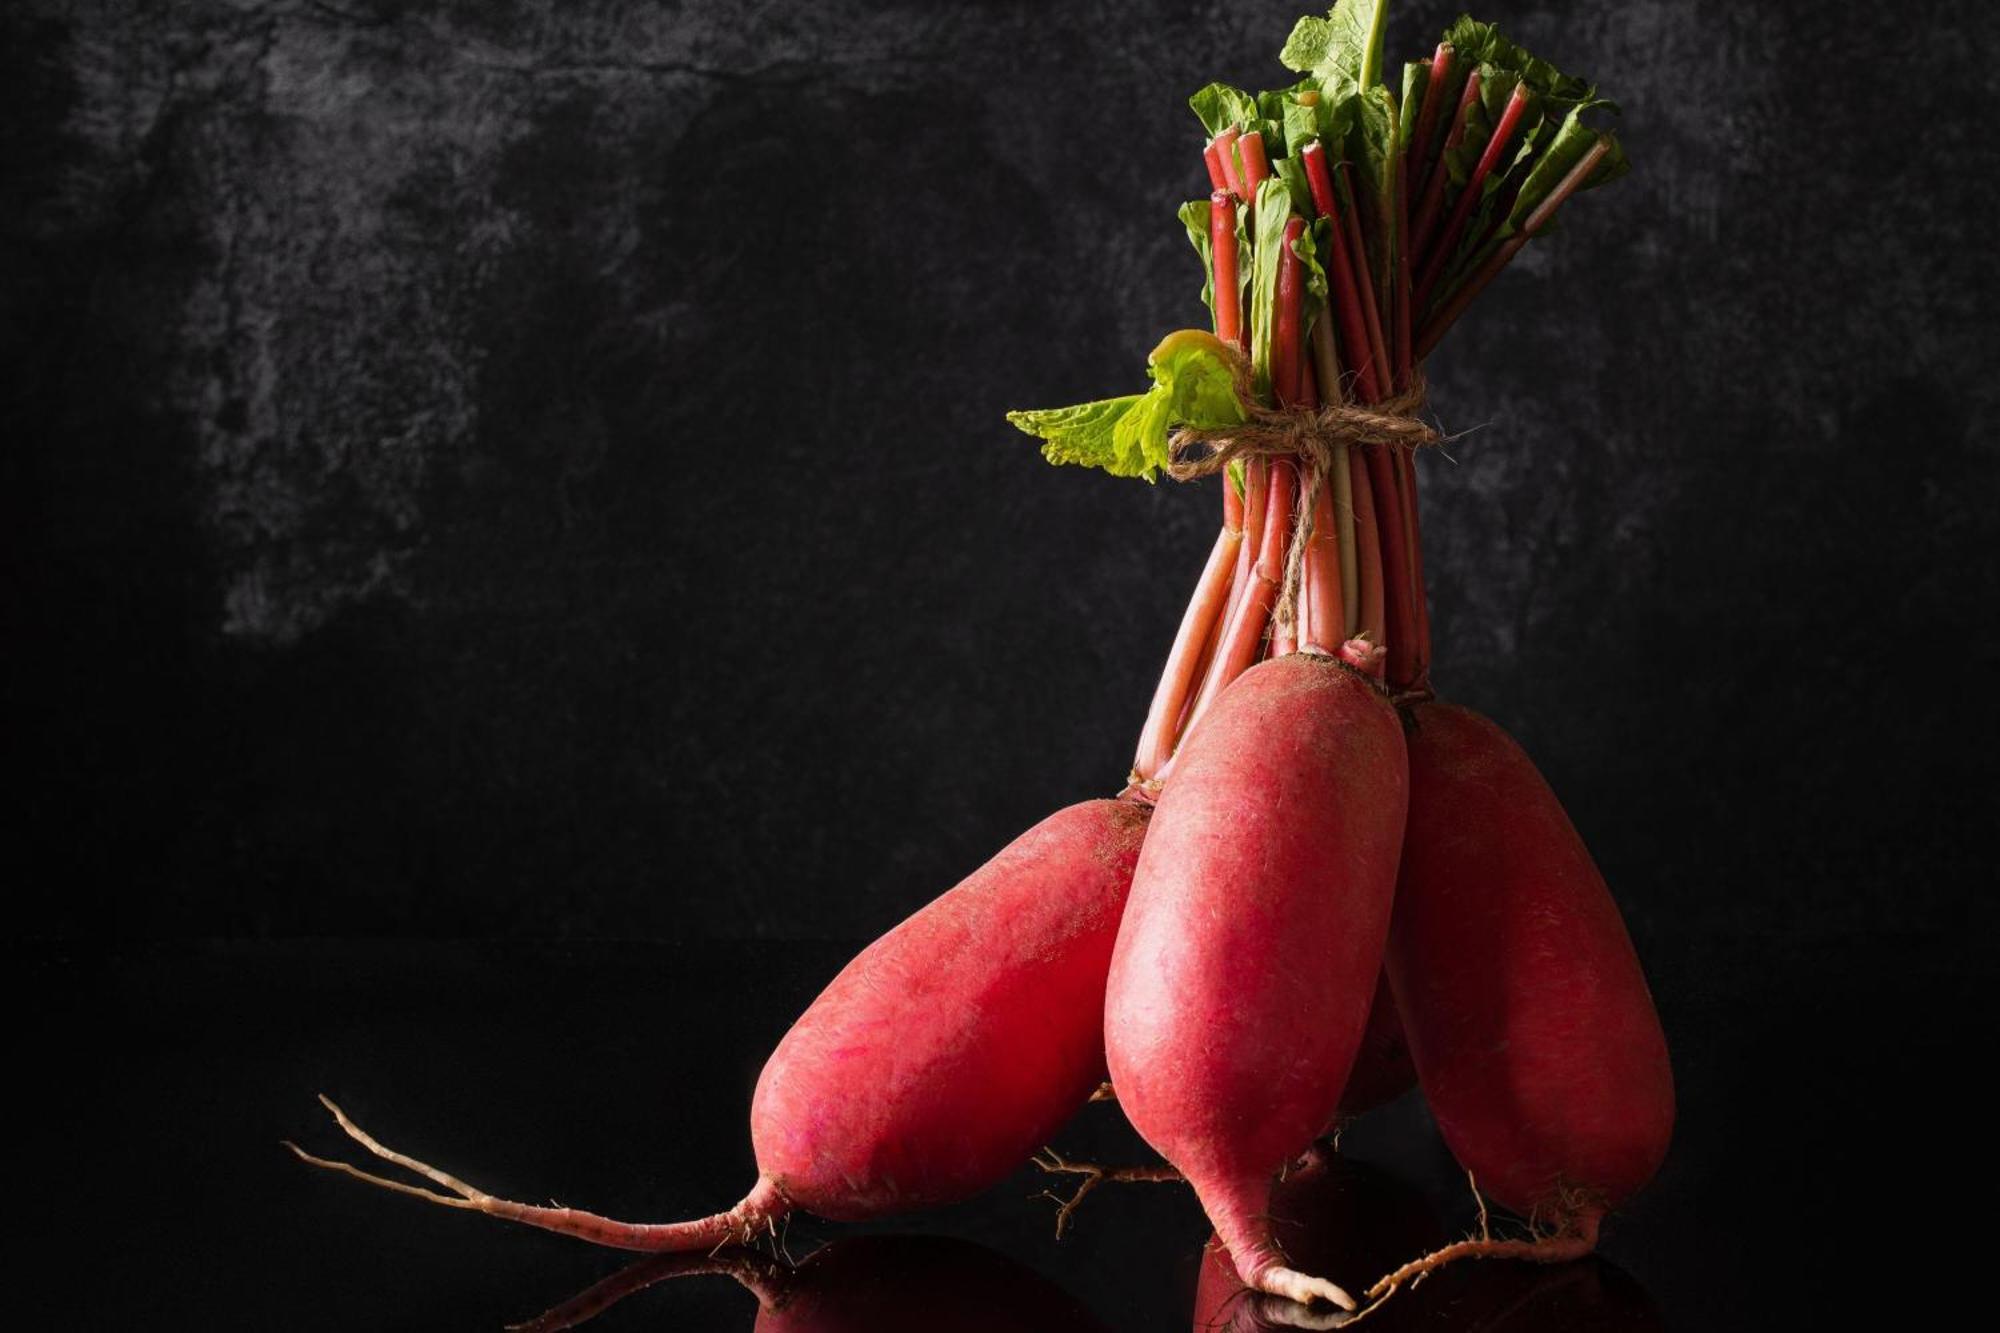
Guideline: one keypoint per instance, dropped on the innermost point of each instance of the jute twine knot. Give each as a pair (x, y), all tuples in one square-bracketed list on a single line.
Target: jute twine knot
[(1314, 438), (1311, 435)]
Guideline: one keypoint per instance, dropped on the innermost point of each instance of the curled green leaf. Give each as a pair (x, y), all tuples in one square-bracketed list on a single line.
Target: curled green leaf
[(1194, 384)]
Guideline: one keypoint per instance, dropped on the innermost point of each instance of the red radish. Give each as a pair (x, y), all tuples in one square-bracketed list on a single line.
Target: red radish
[(931, 1067), (1534, 1034), (1251, 942)]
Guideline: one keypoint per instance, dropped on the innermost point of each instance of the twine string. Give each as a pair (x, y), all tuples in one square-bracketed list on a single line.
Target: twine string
[(1315, 438)]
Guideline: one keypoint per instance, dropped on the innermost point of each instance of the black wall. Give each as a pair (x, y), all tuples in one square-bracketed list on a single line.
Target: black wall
[(539, 468)]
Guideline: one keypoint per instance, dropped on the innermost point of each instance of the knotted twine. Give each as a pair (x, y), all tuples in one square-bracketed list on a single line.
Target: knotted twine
[(1311, 436)]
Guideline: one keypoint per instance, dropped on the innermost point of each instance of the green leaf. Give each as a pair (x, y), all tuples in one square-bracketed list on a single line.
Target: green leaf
[(1194, 384), (1309, 247), (1481, 44), (1496, 89), (1220, 106), (1194, 216), (1343, 51), (1292, 172), (1274, 210), (1565, 147), (1416, 81), (1375, 149), (1571, 140), (1082, 434), (1302, 125)]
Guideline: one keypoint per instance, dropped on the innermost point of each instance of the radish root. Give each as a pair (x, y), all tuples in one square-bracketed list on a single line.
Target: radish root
[(1093, 1175), (1574, 1238), (1304, 1288), (759, 1210)]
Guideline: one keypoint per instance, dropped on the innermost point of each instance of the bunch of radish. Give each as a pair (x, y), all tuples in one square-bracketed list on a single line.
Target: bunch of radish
[(1317, 876)]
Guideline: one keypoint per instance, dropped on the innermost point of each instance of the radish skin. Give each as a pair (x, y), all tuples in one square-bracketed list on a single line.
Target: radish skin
[(1535, 1037), (1252, 940), (950, 1049), (930, 1068)]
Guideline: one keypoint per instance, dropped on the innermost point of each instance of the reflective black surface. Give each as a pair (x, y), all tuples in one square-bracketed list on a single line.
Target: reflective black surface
[(1806, 1184)]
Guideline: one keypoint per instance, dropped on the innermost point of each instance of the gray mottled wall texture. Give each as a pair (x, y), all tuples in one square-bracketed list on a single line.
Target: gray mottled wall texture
[(539, 468)]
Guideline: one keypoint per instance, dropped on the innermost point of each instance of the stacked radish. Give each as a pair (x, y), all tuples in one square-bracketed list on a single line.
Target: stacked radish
[(1300, 811), (1305, 832)]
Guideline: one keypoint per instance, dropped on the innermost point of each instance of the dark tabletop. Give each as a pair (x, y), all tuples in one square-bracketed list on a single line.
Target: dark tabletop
[(617, 1077)]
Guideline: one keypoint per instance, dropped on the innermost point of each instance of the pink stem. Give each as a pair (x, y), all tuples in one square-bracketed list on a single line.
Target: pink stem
[(1211, 157), (1449, 312), (1441, 253), (1371, 310), (1256, 482), (1402, 275), (1252, 615), (1323, 618), (1211, 594), (1343, 295), (1224, 145), (1398, 624), (1427, 211), (1367, 550), (1420, 668), (1222, 259), (1417, 152), (1285, 346), (1256, 168)]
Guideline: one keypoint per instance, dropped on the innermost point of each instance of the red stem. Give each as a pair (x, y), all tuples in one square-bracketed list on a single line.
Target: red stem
[(1256, 167), (1435, 327), (1211, 157), (1417, 152), (1402, 276), (1427, 211), (1371, 310), (1224, 145), (1285, 345), (1503, 135), (1252, 615), (1197, 628), (1346, 299), (1398, 624), (1367, 550), (1420, 669), (1222, 259), (1323, 621), (1256, 482)]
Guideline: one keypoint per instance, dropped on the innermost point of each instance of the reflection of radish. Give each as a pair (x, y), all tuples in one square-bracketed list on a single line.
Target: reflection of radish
[(1534, 1034), (1253, 937), (861, 1284), (1334, 1216), (932, 1066)]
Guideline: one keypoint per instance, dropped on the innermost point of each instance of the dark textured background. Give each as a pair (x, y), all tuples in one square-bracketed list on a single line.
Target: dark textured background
[(538, 469)]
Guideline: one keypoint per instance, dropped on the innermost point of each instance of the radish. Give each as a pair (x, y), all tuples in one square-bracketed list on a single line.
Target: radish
[(1534, 1033), (930, 1068), (1253, 937)]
